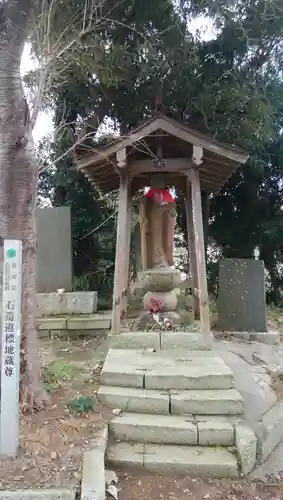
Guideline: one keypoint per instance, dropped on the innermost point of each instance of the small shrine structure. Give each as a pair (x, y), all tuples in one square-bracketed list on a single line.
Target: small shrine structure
[(160, 153)]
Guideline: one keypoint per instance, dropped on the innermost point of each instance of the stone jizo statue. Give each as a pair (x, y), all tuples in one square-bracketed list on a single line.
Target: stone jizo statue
[(161, 219)]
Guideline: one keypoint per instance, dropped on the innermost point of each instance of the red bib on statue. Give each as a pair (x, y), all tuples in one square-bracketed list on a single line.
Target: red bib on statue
[(160, 196)]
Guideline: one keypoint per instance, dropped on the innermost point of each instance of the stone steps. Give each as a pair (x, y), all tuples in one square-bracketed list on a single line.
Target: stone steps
[(214, 462), (156, 370), (179, 408), (175, 430), (205, 402)]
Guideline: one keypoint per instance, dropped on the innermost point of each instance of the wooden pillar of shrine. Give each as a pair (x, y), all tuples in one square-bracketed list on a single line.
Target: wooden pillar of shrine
[(192, 250), (126, 273), (143, 233), (205, 216), (199, 264), (123, 240)]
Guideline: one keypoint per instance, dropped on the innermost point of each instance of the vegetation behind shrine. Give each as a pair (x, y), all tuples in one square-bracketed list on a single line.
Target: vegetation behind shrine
[(230, 87)]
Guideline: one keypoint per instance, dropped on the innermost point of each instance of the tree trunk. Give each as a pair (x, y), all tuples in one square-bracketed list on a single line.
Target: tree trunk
[(18, 185)]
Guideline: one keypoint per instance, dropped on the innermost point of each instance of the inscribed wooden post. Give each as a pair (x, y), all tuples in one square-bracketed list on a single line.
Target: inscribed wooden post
[(10, 355), (192, 249), (200, 252), (121, 249)]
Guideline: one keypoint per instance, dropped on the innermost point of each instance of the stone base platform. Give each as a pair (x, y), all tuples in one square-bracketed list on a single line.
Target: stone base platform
[(73, 325), (180, 410)]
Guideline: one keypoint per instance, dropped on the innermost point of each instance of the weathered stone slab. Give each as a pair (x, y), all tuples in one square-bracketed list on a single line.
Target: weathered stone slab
[(190, 460), (216, 433), (93, 478), (241, 293), (49, 304), (157, 370), (129, 454), (159, 280), (140, 359), (153, 429), (135, 400), (189, 377), (64, 327), (246, 444), (95, 322), (269, 430), (51, 323), (196, 357), (270, 338), (74, 334), (114, 373), (207, 402), (65, 334), (50, 494), (231, 419), (54, 249), (135, 340), (44, 334), (186, 340), (168, 357)]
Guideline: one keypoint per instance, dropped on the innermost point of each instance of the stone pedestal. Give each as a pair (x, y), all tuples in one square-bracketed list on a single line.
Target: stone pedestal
[(159, 284), (169, 300)]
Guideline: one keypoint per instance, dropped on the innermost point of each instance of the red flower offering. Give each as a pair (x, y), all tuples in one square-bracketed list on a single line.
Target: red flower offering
[(155, 306)]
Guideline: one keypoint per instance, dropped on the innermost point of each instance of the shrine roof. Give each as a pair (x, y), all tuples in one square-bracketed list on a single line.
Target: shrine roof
[(220, 161)]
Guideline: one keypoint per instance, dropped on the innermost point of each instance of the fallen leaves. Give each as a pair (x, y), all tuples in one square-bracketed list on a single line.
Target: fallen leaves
[(146, 486), (53, 441)]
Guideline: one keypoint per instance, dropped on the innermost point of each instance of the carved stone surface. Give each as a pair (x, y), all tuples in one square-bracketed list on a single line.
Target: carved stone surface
[(241, 299), (161, 220), (160, 284), (162, 279), (168, 299), (52, 304)]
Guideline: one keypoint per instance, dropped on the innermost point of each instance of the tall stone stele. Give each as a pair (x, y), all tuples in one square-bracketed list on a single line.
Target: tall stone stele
[(159, 280)]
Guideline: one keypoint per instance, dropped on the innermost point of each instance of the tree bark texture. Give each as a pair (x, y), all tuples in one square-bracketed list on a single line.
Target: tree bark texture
[(18, 185)]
